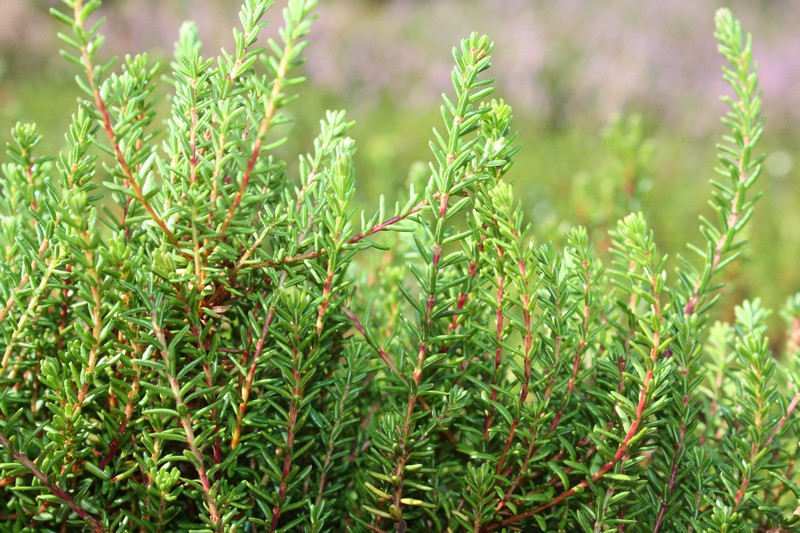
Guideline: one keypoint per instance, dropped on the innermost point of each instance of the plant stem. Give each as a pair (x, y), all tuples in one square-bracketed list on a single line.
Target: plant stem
[(186, 422), (20, 457), (105, 118)]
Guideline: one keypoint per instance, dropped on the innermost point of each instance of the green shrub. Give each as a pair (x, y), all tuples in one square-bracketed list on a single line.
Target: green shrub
[(233, 346)]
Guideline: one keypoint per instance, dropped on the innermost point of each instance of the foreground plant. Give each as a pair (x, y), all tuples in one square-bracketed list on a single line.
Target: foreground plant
[(226, 348)]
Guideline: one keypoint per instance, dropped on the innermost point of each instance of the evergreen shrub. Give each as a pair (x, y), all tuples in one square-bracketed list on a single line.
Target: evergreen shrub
[(198, 335)]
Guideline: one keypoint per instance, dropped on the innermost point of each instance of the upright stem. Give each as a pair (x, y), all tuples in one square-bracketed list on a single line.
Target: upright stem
[(105, 118), (266, 122), (186, 423)]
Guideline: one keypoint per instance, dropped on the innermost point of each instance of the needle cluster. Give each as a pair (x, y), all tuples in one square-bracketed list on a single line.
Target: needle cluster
[(196, 334)]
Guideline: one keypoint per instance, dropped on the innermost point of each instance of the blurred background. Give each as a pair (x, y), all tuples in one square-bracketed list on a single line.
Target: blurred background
[(617, 102)]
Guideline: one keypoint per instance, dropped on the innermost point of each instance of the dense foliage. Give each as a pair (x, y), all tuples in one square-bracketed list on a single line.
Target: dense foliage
[(235, 346)]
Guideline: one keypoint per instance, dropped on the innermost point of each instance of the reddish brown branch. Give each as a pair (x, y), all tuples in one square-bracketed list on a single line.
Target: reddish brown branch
[(352, 240), (251, 373), (105, 118), (97, 324), (785, 418), (323, 480), (498, 337), (263, 129), (186, 422), (622, 449), (725, 239), (381, 352), (20, 457), (288, 451)]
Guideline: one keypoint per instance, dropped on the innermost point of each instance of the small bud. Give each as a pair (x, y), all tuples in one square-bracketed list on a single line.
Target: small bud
[(396, 513)]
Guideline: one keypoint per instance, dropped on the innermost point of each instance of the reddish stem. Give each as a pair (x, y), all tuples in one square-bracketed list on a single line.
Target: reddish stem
[(186, 422), (381, 352), (622, 449), (352, 240), (498, 335), (20, 457), (248, 384), (266, 122), (297, 393)]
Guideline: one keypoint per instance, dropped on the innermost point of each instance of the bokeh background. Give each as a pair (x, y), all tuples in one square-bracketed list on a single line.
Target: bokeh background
[(569, 68)]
